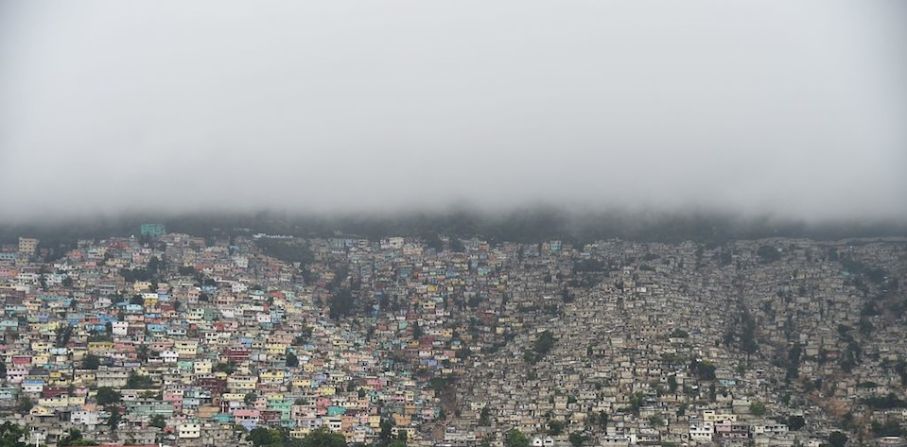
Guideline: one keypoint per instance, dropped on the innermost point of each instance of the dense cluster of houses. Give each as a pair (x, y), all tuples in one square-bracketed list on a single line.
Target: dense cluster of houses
[(183, 340)]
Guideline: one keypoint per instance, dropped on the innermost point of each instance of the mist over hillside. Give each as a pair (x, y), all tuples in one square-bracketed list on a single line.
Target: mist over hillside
[(525, 225)]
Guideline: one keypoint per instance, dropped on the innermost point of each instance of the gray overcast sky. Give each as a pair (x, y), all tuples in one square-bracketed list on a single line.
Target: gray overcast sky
[(797, 108)]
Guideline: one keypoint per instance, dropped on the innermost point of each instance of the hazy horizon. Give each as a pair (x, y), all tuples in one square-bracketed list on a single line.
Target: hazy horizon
[(794, 110)]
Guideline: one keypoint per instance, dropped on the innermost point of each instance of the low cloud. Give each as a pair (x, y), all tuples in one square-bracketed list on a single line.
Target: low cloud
[(795, 109)]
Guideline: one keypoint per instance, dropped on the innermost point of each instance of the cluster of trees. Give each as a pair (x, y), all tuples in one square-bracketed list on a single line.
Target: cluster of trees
[(269, 437), (74, 438), (151, 271), (857, 268), (343, 303), (110, 399), (543, 344), (889, 427), (703, 370), (768, 254), (887, 402), (136, 380), (11, 435)]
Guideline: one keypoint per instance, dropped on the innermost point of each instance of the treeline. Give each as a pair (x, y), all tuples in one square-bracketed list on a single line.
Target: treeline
[(525, 225)]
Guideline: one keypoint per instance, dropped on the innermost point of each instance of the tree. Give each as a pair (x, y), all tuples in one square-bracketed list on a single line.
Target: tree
[(25, 405), (158, 421), (837, 439), (672, 383), (74, 438), (795, 423), (138, 381), (757, 408), (602, 419), (303, 336), (540, 348), (11, 435), (555, 427), (90, 361), (107, 395), (387, 425), (577, 439), (292, 360), (679, 333), (250, 398), (263, 436), (114, 420), (485, 416), (768, 254), (323, 438), (2, 370), (516, 438), (227, 367)]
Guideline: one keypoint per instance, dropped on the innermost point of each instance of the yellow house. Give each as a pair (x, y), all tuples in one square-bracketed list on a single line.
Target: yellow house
[(276, 348), (202, 367), (240, 383), (275, 376), (150, 299), (374, 421), (40, 411), (100, 347), (40, 347), (326, 390), (186, 348), (233, 397), (83, 376)]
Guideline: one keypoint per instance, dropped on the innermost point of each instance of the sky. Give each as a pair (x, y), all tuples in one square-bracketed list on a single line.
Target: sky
[(789, 108)]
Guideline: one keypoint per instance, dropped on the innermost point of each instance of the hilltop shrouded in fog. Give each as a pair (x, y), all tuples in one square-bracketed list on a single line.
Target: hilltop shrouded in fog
[(794, 109)]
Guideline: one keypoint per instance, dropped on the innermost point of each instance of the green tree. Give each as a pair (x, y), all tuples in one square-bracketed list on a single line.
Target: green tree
[(577, 439), (107, 395), (25, 405), (136, 380), (757, 408), (795, 423), (225, 367), (74, 438), (263, 436), (114, 420), (837, 439), (158, 421), (11, 435), (515, 438), (323, 438), (602, 419), (91, 361), (387, 426), (555, 427), (485, 416), (292, 360)]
